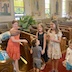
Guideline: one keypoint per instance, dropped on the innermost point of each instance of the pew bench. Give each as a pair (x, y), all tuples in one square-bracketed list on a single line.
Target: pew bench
[(7, 66)]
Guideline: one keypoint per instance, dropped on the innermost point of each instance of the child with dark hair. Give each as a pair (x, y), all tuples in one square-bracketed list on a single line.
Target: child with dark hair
[(36, 50)]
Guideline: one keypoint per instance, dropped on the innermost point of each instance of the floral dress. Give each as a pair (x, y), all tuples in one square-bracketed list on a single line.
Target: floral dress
[(54, 51)]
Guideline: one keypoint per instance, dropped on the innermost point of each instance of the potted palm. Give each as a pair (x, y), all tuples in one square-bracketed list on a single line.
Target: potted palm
[(25, 22)]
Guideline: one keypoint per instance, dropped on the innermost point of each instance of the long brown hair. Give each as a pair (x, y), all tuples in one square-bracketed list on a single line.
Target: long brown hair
[(56, 26)]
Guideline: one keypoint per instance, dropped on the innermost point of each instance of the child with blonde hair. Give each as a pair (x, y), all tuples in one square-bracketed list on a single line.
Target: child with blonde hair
[(41, 36), (68, 59)]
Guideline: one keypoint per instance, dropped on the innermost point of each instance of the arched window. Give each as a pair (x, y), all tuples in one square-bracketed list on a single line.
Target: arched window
[(63, 8), (47, 8), (19, 8)]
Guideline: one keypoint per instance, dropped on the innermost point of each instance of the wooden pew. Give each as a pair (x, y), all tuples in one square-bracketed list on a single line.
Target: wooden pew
[(67, 32), (66, 23), (63, 45), (6, 66), (25, 52)]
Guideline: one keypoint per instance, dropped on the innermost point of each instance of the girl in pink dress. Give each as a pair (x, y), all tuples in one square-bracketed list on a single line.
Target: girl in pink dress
[(13, 47)]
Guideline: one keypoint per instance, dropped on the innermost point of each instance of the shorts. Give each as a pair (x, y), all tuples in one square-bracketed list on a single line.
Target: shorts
[(37, 63), (68, 66)]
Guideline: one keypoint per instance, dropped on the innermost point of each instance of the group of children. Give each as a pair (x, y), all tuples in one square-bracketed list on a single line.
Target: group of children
[(51, 51), (40, 49)]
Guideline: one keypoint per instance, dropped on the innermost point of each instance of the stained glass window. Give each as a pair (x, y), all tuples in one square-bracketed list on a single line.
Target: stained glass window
[(47, 8), (19, 8)]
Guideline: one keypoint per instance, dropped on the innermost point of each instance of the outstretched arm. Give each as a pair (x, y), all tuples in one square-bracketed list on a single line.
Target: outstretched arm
[(19, 40), (8, 34)]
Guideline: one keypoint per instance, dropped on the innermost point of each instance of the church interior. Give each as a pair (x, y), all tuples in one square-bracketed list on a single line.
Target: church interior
[(29, 14)]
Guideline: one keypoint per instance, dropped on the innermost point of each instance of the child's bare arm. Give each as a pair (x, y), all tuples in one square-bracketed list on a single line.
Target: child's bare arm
[(20, 40), (31, 51)]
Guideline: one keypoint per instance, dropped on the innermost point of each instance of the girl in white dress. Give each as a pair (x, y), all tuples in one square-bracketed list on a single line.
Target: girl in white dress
[(54, 52)]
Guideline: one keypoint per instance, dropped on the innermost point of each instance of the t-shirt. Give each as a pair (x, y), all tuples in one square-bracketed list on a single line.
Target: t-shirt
[(37, 52), (69, 56)]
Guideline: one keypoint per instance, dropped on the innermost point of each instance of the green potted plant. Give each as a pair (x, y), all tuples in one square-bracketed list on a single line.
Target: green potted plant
[(25, 22)]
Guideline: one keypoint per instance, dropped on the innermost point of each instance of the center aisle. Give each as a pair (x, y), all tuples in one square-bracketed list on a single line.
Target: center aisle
[(61, 68)]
